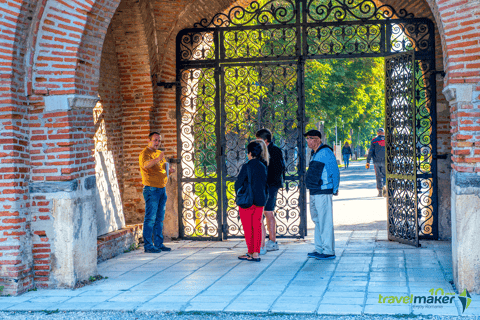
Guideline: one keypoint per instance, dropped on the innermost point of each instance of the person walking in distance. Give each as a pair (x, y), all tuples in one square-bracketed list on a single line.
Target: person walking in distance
[(377, 153), (275, 179), (153, 168), (346, 153), (253, 174), (322, 180)]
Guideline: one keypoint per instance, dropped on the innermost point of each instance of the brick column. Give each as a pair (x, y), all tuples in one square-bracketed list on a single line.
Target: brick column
[(465, 128), (15, 237), (62, 191)]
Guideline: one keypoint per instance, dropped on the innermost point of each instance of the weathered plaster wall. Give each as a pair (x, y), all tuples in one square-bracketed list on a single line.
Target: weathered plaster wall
[(108, 115)]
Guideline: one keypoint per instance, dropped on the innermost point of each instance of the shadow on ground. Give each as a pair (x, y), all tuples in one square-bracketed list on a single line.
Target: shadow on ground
[(375, 225)]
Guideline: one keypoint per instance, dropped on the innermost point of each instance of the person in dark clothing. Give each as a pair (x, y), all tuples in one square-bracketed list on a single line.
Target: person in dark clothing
[(377, 153), (275, 179), (252, 217), (346, 153)]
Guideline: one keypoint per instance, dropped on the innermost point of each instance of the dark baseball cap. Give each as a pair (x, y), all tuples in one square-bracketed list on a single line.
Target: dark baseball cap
[(380, 130), (313, 133)]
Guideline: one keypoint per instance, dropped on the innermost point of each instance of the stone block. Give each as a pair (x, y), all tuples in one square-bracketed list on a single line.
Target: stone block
[(465, 235), (74, 255), (115, 243)]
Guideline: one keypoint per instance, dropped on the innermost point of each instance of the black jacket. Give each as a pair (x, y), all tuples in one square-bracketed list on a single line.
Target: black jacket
[(276, 166), (258, 172), (377, 150), (346, 150)]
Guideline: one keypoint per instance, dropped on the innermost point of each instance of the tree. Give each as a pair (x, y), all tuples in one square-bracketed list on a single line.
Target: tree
[(350, 91)]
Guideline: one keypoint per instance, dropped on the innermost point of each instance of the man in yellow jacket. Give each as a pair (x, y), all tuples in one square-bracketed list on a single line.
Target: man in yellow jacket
[(153, 167)]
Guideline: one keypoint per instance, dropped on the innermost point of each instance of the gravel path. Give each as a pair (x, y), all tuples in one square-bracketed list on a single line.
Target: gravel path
[(200, 316)]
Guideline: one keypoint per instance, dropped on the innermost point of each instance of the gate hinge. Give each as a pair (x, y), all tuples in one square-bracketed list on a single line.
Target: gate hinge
[(164, 84), (440, 72)]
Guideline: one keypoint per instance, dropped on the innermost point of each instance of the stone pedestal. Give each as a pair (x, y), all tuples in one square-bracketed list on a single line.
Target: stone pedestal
[(465, 232), (465, 190), (75, 243), (72, 229)]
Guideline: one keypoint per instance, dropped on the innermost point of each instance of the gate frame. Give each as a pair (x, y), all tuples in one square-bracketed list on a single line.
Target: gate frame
[(385, 16)]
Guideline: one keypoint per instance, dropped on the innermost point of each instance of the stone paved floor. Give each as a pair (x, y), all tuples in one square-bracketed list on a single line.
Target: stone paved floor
[(207, 276)]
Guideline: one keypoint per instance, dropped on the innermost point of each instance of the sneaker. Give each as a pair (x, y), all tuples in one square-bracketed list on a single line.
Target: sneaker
[(163, 248), (153, 250), (263, 250), (379, 193), (272, 246), (325, 256), (313, 254)]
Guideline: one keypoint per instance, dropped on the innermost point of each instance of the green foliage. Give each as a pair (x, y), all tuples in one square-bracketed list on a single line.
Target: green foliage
[(132, 247), (350, 91), (95, 278), (51, 311)]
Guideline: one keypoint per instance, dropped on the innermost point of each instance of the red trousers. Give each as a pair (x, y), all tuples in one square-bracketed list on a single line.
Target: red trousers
[(252, 227)]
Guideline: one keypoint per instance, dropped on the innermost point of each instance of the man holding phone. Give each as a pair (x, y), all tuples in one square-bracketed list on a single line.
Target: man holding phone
[(153, 168)]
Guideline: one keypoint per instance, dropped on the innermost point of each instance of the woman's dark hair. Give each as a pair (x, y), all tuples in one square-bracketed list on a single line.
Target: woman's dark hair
[(255, 149)]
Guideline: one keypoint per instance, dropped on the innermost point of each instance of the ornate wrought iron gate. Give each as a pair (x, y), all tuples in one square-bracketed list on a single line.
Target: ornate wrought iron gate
[(244, 70), (400, 151)]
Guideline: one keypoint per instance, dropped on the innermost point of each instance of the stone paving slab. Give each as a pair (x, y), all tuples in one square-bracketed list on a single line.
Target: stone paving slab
[(206, 276), (220, 282)]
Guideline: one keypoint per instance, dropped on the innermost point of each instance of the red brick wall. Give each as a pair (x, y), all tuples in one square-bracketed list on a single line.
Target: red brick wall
[(461, 25), (109, 112), (65, 44), (137, 99), (15, 240)]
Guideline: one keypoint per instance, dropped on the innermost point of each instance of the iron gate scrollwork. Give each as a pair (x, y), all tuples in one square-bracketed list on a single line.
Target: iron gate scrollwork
[(400, 149), (244, 70), (257, 96)]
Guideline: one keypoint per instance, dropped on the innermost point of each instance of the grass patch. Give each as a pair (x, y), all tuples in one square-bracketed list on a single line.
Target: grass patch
[(50, 311), (132, 247), (90, 280)]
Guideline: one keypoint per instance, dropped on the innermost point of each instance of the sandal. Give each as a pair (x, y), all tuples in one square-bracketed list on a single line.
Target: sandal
[(254, 259), (246, 256)]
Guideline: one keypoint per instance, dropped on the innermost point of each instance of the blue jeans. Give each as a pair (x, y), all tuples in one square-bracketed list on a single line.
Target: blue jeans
[(155, 200), (346, 159)]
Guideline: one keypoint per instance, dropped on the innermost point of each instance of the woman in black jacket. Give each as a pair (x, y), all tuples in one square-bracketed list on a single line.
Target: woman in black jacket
[(252, 217), (347, 153)]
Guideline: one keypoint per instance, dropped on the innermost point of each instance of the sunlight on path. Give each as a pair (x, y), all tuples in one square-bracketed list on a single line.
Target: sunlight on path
[(357, 206)]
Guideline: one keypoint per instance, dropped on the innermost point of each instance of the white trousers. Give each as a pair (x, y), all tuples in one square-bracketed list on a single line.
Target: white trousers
[(321, 210)]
